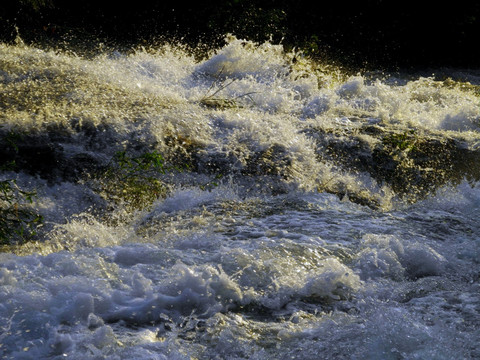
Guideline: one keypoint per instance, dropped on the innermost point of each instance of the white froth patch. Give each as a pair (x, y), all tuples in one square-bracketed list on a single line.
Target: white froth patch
[(424, 103), (186, 290), (318, 105), (387, 256), (466, 119), (333, 281), (353, 87), (6, 277), (182, 200), (85, 232), (395, 331), (61, 302), (61, 201), (293, 154), (463, 198), (140, 254), (279, 276), (241, 58), (186, 199), (162, 74), (431, 104)]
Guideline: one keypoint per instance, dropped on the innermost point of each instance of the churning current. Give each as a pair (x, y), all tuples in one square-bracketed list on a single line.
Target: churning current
[(248, 205)]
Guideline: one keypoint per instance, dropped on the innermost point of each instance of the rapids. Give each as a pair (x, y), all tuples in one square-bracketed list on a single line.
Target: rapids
[(301, 212)]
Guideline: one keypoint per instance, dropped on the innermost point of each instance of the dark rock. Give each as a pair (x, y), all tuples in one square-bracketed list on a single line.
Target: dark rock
[(413, 164), (272, 161), (38, 155)]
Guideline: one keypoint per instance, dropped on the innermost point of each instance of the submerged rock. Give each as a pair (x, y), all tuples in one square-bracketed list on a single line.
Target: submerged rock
[(412, 163)]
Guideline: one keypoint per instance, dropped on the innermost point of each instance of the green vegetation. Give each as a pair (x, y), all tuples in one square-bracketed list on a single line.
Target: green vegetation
[(18, 223), (400, 141), (133, 180), (210, 185)]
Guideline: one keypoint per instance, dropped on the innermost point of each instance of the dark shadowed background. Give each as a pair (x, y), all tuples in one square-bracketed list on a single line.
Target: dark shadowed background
[(374, 33)]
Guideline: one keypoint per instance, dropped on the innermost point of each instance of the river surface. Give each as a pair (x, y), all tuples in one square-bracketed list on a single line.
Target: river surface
[(267, 238)]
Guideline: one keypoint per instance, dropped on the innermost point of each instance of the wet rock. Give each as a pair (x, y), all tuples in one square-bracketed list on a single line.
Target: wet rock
[(272, 161), (38, 155), (33, 158), (412, 163)]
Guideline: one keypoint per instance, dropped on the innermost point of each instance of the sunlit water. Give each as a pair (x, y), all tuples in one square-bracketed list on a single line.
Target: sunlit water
[(274, 260)]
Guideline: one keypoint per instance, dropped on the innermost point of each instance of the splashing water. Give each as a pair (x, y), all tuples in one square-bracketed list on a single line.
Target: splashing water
[(301, 210)]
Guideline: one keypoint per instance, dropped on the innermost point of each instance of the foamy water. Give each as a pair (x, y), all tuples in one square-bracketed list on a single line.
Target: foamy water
[(265, 246)]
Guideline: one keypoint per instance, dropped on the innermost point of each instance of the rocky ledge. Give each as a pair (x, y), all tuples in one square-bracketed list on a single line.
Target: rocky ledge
[(413, 163)]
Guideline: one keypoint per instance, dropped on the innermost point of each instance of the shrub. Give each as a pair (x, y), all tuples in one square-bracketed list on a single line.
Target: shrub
[(18, 223), (133, 181)]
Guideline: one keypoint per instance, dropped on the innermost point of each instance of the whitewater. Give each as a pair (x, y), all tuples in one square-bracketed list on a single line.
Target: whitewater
[(304, 212)]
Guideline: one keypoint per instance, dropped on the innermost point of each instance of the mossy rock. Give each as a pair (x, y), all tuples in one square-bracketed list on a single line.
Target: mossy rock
[(412, 163)]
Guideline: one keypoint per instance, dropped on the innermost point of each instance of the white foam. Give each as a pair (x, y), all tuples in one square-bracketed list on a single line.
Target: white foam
[(388, 256), (333, 281), (241, 58)]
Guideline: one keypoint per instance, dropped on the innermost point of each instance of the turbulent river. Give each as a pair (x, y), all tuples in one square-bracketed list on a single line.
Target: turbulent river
[(248, 205)]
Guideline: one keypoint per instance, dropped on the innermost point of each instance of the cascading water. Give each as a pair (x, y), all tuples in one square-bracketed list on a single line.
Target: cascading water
[(251, 205)]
